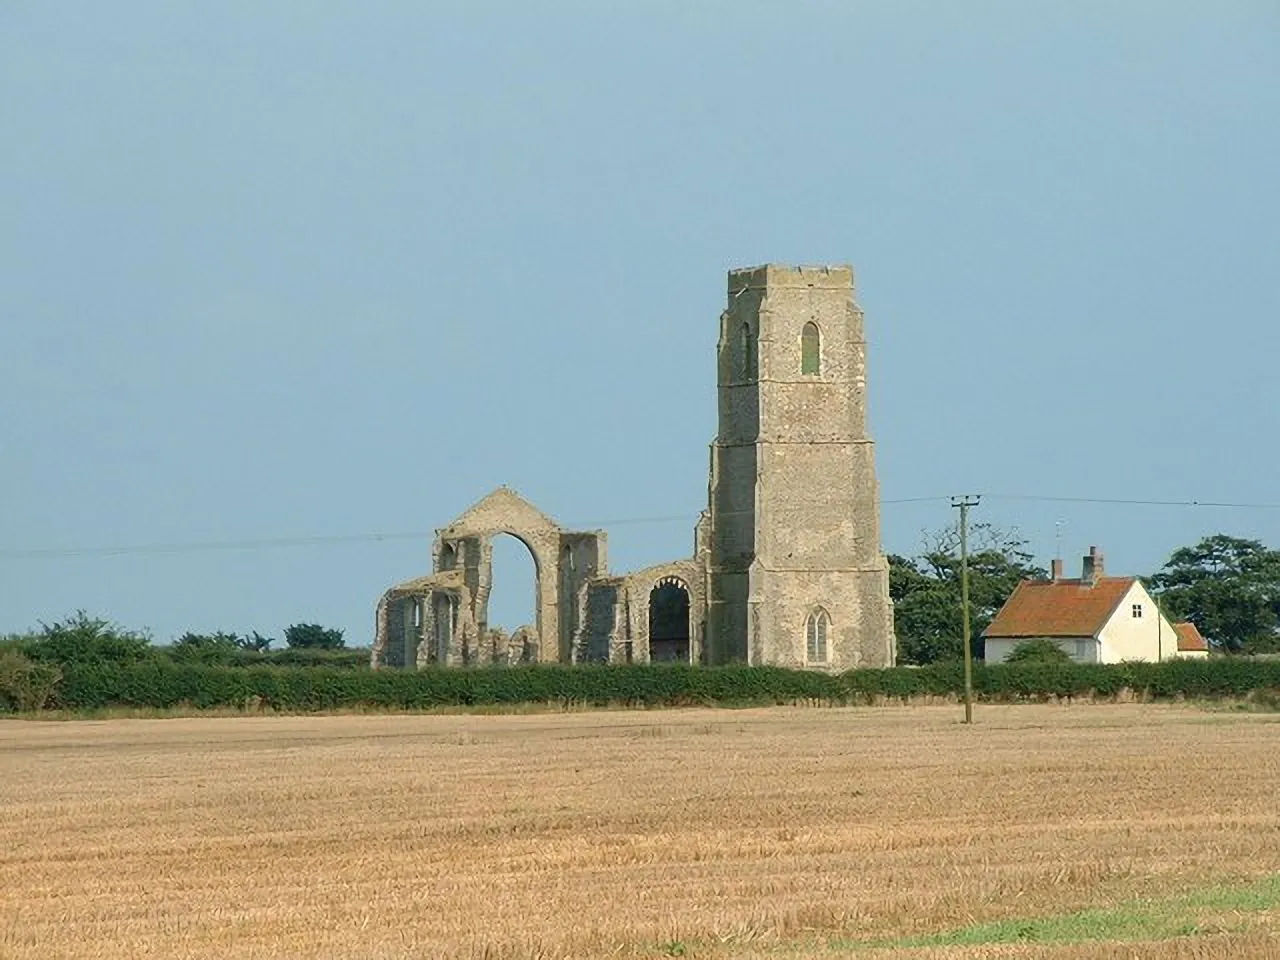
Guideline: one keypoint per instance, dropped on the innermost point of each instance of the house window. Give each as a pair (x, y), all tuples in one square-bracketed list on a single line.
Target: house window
[(810, 350), (816, 636), (1137, 611)]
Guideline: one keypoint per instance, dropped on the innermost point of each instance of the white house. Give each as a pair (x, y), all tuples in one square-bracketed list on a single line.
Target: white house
[(1095, 619)]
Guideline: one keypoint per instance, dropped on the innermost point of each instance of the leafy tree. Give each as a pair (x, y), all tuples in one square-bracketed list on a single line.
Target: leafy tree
[(217, 647), (203, 640), (205, 648), (926, 590), (313, 636), (25, 684), (256, 642), (926, 614), (220, 641), (1229, 588), (1039, 650), (86, 639)]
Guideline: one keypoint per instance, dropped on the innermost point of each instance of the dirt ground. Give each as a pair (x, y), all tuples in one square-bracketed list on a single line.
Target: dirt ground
[(1041, 831)]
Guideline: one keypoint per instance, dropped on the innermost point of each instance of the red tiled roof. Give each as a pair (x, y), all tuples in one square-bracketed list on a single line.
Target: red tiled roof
[(1061, 608), (1189, 637)]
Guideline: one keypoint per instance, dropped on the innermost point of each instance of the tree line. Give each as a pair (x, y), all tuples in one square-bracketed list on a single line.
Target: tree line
[(1229, 587)]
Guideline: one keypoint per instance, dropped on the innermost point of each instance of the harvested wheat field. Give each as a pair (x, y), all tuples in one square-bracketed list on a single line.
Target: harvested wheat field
[(1042, 831)]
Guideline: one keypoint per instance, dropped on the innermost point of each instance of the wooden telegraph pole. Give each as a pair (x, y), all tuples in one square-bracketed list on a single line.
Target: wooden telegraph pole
[(963, 504)]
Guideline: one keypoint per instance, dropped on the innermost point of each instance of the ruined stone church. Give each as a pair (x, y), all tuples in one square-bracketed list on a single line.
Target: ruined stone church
[(787, 567)]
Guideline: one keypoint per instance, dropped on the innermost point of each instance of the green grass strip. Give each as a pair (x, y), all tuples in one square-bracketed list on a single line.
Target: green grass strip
[(1139, 920)]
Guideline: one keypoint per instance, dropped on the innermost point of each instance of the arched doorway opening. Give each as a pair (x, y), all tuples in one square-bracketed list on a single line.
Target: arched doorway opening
[(669, 621), (512, 601)]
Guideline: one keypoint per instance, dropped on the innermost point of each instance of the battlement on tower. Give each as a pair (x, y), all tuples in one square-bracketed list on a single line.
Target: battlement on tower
[(833, 277)]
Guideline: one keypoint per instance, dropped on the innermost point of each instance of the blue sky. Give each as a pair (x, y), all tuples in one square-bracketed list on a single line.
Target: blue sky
[(282, 270)]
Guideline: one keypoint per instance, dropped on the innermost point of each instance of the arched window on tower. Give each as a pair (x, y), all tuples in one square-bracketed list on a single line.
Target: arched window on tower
[(810, 350), (750, 360), (816, 629)]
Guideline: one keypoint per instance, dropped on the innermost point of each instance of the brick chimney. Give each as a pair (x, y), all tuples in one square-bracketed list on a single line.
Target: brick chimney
[(1093, 568), (1055, 569)]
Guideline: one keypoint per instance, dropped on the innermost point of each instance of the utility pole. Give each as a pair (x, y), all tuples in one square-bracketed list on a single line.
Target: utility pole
[(963, 504)]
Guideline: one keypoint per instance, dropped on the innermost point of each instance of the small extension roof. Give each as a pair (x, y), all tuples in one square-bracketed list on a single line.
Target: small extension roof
[(1189, 637)]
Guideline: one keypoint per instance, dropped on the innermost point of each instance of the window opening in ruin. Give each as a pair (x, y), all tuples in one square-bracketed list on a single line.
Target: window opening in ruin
[(448, 557), (810, 350), (412, 636), (445, 615), (750, 359), (669, 621), (513, 600), (816, 636)]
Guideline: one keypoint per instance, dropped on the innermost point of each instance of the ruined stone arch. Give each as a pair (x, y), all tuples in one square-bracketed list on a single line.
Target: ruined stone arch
[(685, 576), (443, 617), (505, 512), (516, 535)]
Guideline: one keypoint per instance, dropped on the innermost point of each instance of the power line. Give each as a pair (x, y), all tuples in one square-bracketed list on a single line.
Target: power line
[(1137, 503), (266, 543), (202, 546), (205, 545), (627, 521)]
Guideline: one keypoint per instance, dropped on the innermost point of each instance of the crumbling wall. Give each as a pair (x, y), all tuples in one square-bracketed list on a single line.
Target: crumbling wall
[(582, 558), (596, 639), (521, 646), (409, 622)]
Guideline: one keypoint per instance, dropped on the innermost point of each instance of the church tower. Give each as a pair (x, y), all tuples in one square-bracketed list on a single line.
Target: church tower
[(796, 576)]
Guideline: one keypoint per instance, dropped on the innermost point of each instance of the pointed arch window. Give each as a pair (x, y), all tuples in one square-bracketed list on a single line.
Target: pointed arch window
[(816, 629), (750, 359), (810, 350)]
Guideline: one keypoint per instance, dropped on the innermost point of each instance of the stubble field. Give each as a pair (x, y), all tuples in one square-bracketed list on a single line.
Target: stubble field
[(1042, 831)]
